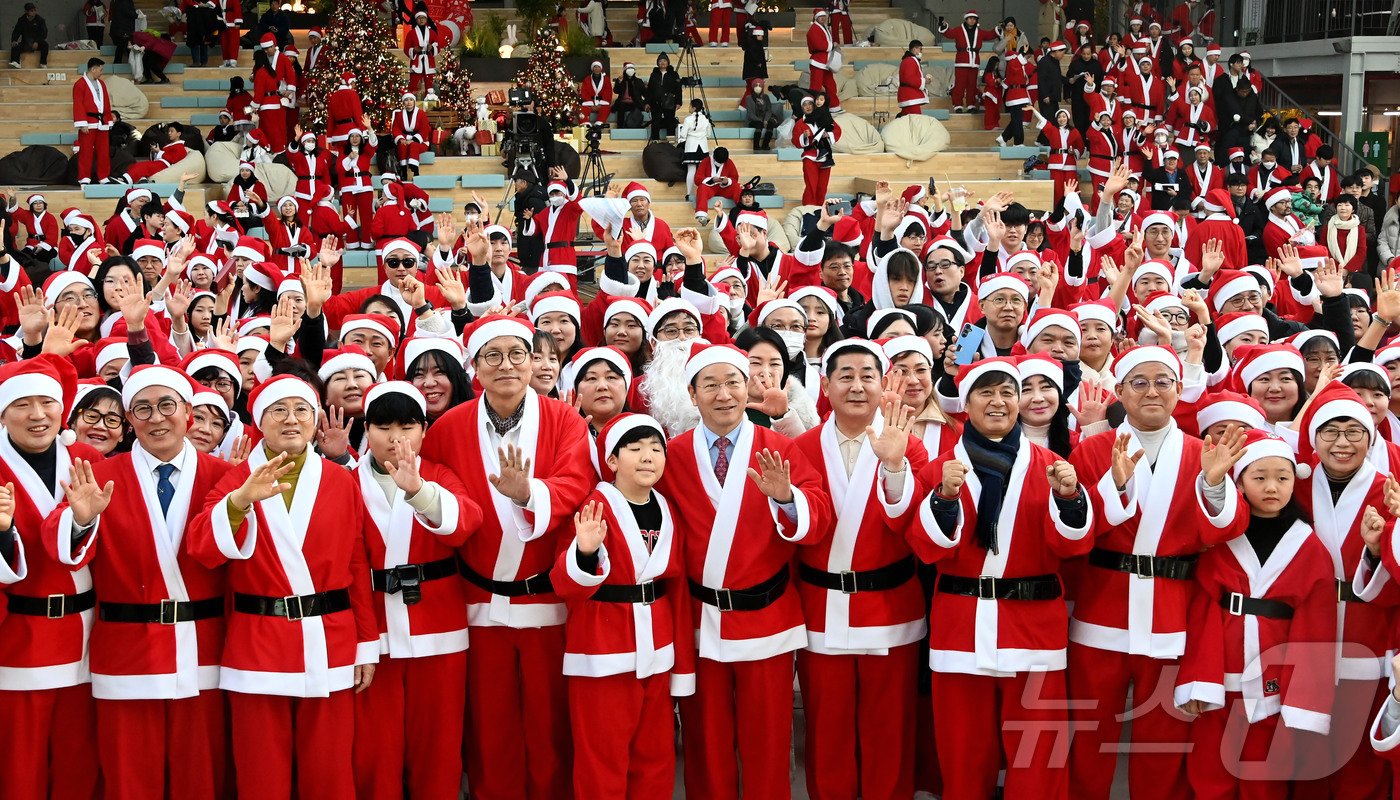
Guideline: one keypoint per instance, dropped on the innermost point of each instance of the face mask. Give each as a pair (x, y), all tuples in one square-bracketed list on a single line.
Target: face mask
[(793, 341), (471, 218), (308, 146), (557, 200), (630, 72), (735, 306)]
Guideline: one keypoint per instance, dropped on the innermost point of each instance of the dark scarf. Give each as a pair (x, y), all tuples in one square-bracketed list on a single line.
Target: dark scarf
[(1264, 534), (991, 463)]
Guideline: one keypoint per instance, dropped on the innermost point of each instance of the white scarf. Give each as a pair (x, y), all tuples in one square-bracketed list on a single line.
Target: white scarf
[(1335, 224)]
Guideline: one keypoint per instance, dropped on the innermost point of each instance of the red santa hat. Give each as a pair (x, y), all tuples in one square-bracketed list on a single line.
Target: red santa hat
[(758, 219), (723, 274), (611, 435), (635, 190), (253, 323), (668, 307), (208, 397), (1134, 357), (44, 375), (1260, 444), (847, 345), (1004, 280), (381, 390), (825, 295), (109, 349), (760, 315), (1217, 201), (246, 342), (1213, 49), (557, 186), (347, 357), (1228, 283), (315, 31), (556, 302), (704, 355), (277, 389), (221, 360), (1030, 257), (1236, 152), (497, 230), (264, 274), (400, 245), (1300, 340), (642, 248), (347, 76), (381, 324), (1043, 365), (74, 216), (589, 356), (1058, 46), (818, 14), (1385, 355), (416, 346), (1109, 80), (635, 306), (292, 51), (1154, 24), (60, 282), (1238, 322), (1156, 267), (290, 284), (1049, 318), (1170, 154), (914, 193), (970, 373), (267, 41), (903, 345), (1157, 218), (971, 14), (1332, 402), (148, 375), (1227, 406), (494, 326), (148, 247), (873, 322), (847, 231), (1098, 310), (1253, 361), (251, 248), (1279, 195)]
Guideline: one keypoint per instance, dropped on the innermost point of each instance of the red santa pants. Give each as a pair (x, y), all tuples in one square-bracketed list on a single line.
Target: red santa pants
[(1353, 769), (48, 747), (420, 80), (624, 737), (94, 150), (841, 31), (358, 206), (860, 723), (978, 718), (145, 169), (823, 80), (275, 737), (965, 90), (991, 114), (720, 19), (163, 748), (741, 713), (1098, 685), (814, 182), (704, 195), (1232, 759), (409, 152), (273, 124), (1058, 176), (408, 728), (518, 742), (228, 42)]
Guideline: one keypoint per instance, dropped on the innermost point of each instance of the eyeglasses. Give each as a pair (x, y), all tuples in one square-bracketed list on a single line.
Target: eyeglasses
[(1352, 435), (301, 411), (1015, 301), (495, 358), (1140, 385), (166, 407), (734, 386), (674, 331), (92, 416), (1245, 299), (940, 265), (1174, 316), (796, 327), (401, 263), (86, 296), (222, 384)]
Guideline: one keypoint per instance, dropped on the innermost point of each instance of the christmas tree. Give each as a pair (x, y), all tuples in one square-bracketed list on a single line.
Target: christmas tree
[(358, 42), (556, 94), (454, 85)]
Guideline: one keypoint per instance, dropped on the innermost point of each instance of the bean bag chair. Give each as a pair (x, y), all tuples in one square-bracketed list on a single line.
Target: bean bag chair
[(567, 157), (662, 162), (128, 99), (877, 80), (278, 179), (858, 137), (940, 79), (899, 32), (915, 138), (777, 235), (121, 160), (35, 165), (221, 161), (192, 163), (846, 84), (792, 223)]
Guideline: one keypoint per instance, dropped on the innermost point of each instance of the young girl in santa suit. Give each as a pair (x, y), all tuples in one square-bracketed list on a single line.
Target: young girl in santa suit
[(991, 95), (1260, 663), (629, 648)]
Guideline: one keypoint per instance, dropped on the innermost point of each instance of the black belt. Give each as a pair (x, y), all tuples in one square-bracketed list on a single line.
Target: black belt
[(1092, 154), (1015, 86), (293, 607), (880, 579), (166, 612), (1345, 594), (1238, 604), (753, 598), (1060, 151), (343, 121), (1036, 587), (54, 606), (305, 177), (1181, 568), (407, 578), (535, 584), (644, 593), (558, 245)]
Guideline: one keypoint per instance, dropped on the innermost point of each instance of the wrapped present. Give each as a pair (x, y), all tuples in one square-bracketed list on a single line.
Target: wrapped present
[(490, 150)]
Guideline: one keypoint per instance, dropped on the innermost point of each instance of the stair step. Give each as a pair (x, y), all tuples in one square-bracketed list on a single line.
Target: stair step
[(107, 191)]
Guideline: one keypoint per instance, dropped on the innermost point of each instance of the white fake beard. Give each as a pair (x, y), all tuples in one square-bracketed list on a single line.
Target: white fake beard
[(665, 389)]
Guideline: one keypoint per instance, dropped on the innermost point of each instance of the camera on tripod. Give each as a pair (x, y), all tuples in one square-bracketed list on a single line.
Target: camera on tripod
[(520, 97), (593, 133)]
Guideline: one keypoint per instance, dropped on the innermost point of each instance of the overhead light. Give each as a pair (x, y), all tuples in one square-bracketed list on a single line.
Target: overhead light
[(1329, 113), (1392, 114)]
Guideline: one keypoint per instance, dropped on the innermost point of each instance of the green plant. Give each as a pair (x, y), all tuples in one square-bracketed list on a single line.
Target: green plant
[(577, 41), (534, 14), (484, 40)]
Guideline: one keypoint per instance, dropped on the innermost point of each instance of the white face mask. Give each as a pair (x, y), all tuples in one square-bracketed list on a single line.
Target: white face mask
[(557, 200), (471, 218), (735, 306), (793, 341), (308, 146), (630, 72)]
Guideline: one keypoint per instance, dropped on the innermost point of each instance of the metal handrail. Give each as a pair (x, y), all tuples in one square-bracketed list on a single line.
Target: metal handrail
[(1276, 100)]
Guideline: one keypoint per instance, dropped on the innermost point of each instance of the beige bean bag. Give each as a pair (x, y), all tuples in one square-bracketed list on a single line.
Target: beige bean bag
[(899, 32), (279, 180), (915, 137), (877, 80), (221, 161), (858, 137), (192, 163), (846, 84), (792, 223), (714, 243), (939, 80), (127, 98)]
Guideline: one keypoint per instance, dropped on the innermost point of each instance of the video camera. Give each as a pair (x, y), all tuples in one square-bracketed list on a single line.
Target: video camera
[(520, 97)]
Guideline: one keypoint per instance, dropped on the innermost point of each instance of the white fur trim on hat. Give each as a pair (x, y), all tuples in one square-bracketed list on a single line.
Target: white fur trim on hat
[(1340, 409), (873, 348), (29, 384), (343, 361), (716, 354), (985, 368), (775, 305), (1038, 326), (287, 388), (1242, 325), (497, 328), (111, 353), (62, 282), (556, 303), (142, 379), (1264, 448), (902, 345), (668, 307), (404, 388), (368, 325), (418, 345), (1047, 368), (1146, 354), (1268, 362), (1244, 283), (625, 426), (996, 283), (1229, 411)]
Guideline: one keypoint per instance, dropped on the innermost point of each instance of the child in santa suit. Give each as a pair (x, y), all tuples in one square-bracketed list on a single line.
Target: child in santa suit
[(528, 457), (48, 730), (1260, 663), (410, 133), (292, 528), (629, 641), (716, 176), (991, 96), (408, 724), (157, 643)]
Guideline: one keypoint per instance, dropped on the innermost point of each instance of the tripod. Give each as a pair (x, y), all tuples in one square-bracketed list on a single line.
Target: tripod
[(691, 79), (594, 178), (524, 167)]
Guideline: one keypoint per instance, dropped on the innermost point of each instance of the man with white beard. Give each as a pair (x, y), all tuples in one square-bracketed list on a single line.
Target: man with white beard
[(672, 326)]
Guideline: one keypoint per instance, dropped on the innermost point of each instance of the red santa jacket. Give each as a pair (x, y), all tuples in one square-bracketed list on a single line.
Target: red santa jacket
[(410, 127), (911, 82), (343, 112), (1016, 83), (808, 137), (437, 623), (420, 44), (1065, 145), (1161, 513), (735, 537), (515, 543), (74, 254), (969, 42), (1194, 124), (267, 88), (1099, 103), (92, 105), (559, 228), (136, 555), (596, 93), (354, 173), (231, 11), (1204, 179), (1327, 176), (978, 637), (1147, 94), (312, 171), (604, 638), (41, 230), (1102, 146), (820, 47), (706, 171), (861, 540), (1280, 666), (315, 545), (1228, 231)]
